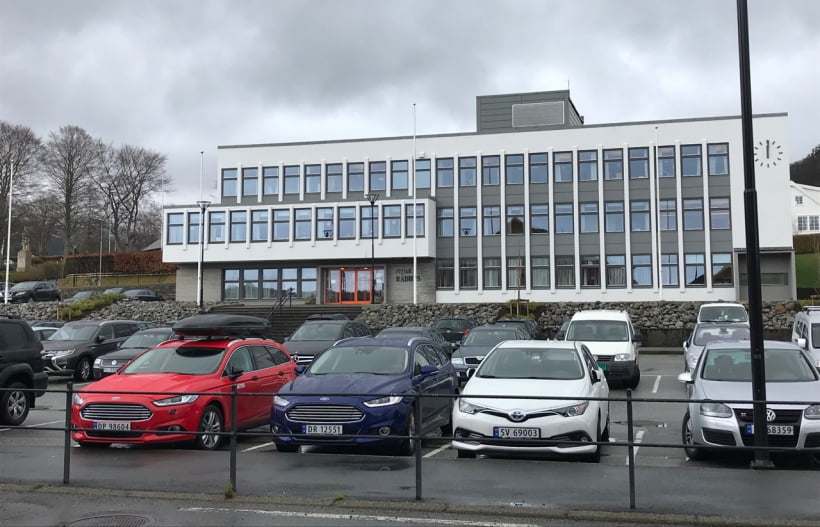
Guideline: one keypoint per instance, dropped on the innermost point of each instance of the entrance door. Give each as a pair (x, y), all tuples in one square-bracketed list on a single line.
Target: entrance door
[(347, 286)]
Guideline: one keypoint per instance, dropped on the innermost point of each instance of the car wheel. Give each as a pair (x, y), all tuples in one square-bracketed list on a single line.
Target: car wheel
[(82, 372), (633, 382), (688, 438), (88, 444), (210, 428), (14, 404), (465, 454), (408, 446)]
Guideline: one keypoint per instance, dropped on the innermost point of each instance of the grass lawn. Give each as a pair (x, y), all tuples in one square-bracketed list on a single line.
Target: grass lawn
[(808, 270)]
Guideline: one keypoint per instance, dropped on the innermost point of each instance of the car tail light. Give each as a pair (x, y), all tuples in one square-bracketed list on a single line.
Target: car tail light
[(466, 332)]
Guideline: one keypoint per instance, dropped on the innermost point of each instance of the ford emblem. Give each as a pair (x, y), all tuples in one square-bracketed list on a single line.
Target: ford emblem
[(517, 416), (770, 415)]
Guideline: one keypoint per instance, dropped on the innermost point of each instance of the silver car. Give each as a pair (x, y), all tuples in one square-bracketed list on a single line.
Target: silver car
[(706, 332), (724, 374)]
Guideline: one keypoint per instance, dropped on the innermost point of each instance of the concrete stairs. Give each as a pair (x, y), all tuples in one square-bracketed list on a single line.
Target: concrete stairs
[(290, 318)]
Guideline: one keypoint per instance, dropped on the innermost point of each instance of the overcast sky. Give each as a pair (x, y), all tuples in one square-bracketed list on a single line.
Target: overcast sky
[(180, 76)]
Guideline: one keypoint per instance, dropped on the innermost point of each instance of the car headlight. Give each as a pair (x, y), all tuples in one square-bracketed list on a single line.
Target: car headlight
[(177, 399), (457, 361), (622, 357), (280, 401), (468, 408), (77, 400), (715, 410), (812, 412), (98, 362), (383, 401), (60, 353), (573, 410)]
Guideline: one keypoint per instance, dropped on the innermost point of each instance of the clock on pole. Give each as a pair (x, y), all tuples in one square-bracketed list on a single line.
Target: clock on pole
[(768, 153)]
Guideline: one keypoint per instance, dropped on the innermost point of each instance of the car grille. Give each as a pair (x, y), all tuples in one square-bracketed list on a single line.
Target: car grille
[(115, 412), (782, 417), (533, 415), (304, 360), (603, 358), (113, 434), (719, 437), (473, 361), (324, 413), (813, 441)]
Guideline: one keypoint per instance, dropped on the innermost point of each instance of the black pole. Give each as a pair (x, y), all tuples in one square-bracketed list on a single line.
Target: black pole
[(233, 438), (761, 439), (69, 399), (372, 197), (630, 455), (203, 205)]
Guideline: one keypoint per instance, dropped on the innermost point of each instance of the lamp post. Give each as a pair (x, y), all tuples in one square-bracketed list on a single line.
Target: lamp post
[(8, 233), (200, 281), (372, 197)]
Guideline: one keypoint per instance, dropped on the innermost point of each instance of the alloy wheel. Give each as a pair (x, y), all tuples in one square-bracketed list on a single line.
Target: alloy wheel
[(210, 426), (17, 407)]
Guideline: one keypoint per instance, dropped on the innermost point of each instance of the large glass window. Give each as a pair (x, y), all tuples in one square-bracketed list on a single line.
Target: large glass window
[(695, 269), (347, 222), (718, 159), (422, 173), (307, 284), (445, 273), (468, 273), (444, 172), (419, 219), (639, 215), (176, 228), (467, 221), (466, 171), (591, 271), (614, 216), (514, 172), (588, 216), (229, 181), (391, 216), (565, 271), (693, 214), (259, 225), (324, 223), (668, 214), (721, 269), (239, 226), (355, 177), (588, 165), (540, 270), (398, 174), (641, 270), (333, 177), (194, 228), (491, 221), (638, 163), (444, 222), (216, 227), (491, 170), (690, 163), (369, 226), (539, 168), (230, 290), (616, 270), (666, 161), (281, 225), (669, 269), (719, 216), (292, 175), (270, 283), (378, 175), (563, 218), (562, 167), (250, 181), (515, 219), (539, 219), (492, 273), (313, 179), (270, 181), (613, 164), (516, 272), (302, 224), (250, 283)]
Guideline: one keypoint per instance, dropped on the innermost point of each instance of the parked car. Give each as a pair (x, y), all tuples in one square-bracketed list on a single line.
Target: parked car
[(705, 332), (722, 312), (72, 349), (478, 343), (723, 377), (47, 323), (364, 386), (418, 331), (528, 324), (115, 291), (614, 341), (454, 328), (233, 354), (130, 348), (32, 291), (82, 295), (143, 295), (806, 331), (530, 369), (317, 333), (43, 333), (21, 370)]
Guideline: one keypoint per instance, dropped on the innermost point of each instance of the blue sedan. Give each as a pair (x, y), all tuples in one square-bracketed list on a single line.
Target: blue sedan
[(364, 387)]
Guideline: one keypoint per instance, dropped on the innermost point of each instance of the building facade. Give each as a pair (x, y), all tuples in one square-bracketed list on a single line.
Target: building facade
[(534, 204), (805, 208)]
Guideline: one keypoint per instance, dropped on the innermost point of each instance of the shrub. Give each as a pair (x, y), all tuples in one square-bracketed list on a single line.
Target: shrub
[(81, 307)]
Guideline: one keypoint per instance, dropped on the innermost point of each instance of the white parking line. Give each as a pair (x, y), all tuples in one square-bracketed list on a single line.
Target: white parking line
[(263, 445), (657, 383), (638, 439), (31, 426), (436, 451)]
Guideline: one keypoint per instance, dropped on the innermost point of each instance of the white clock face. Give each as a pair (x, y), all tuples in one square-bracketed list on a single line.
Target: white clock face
[(768, 153)]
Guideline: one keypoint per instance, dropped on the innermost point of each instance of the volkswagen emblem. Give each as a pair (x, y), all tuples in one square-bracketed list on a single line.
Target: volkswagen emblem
[(770, 415), (517, 416), (323, 398), (113, 363)]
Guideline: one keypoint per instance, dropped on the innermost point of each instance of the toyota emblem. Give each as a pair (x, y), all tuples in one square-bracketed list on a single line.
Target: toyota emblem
[(517, 416), (770, 415)]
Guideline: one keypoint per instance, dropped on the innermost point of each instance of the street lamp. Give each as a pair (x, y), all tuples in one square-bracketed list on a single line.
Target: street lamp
[(200, 282), (372, 197), (8, 234)]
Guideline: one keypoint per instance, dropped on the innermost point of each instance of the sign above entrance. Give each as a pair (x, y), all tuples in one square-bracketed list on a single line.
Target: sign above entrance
[(405, 274)]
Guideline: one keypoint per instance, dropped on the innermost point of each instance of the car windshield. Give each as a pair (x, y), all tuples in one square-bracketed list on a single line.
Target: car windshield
[(723, 314), (705, 335), (23, 286), (83, 294), (598, 331), (532, 363), (137, 292), (489, 337), (815, 336), (79, 332), (317, 331), (398, 333), (146, 340), (186, 360), (782, 365), (452, 323), (378, 360)]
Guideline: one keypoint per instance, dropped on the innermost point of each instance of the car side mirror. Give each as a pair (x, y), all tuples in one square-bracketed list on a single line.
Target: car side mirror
[(100, 338), (235, 373), (595, 376), (801, 342), (685, 344), (470, 372), (686, 377), (299, 370)]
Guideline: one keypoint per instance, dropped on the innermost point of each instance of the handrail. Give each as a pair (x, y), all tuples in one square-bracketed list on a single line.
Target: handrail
[(276, 309)]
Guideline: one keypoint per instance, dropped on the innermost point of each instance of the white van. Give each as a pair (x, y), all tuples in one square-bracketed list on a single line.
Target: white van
[(722, 312), (806, 331), (611, 337)]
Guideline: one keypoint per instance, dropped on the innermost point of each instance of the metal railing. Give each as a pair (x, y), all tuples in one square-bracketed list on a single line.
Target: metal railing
[(285, 298)]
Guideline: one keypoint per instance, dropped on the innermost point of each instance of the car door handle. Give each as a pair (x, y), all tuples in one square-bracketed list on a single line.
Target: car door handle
[(254, 378)]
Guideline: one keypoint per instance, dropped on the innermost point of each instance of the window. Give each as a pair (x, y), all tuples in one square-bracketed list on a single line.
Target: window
[(514, 172), (378, 175), (444, 172), (355, 177), (467, 221), (466, 171), (590, 271), (669, 269), (492, 273), (798, 200), (695, 269), (638, 163), (281, 225), (563, 218), (802, 223), (614, 216), (369, 224), (666, 161), (468, 273), (445, 273), (302, 224), (588, 216), (588, 165), (250, 283), (422, 173), (639, 216), (270, 181), (230, 289), (292, 175), (613, 164), (250, 181), (516, 272), (398, 172), (814, 223), (229, 177), (176, 228), (668, 214), (490, 170), (391, 216), (642, 270), (719, 217), (540, 268), (718, 159), (193, 227), (347, 222), (562, 167), (539, 219), (324, 223), (216, 224), (565, 271), (492, 220), (515, 219), (445, 222), (692, 214), (239, 226), (539, 168), (616, 270), (419, 219), (333, 177), (259, 225), (690, 160), (313, 178), (721, 269)]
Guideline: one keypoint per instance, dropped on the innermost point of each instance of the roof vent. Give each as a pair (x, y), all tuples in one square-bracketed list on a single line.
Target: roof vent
[(538, 114)]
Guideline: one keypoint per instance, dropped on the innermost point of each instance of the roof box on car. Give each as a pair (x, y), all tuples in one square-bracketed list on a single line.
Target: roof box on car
[(327, 316), (216, 325)]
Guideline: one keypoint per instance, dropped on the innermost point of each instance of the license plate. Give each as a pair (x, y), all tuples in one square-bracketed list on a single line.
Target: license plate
[(116, 426), (509, 432), (110, 370), (774, 430), (325, 430)]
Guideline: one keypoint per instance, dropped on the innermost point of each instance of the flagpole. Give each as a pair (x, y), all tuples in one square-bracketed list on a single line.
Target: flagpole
[(415, 227)]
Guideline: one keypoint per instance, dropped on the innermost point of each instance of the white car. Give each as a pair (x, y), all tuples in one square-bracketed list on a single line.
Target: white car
[(722, 312), (531, 369)]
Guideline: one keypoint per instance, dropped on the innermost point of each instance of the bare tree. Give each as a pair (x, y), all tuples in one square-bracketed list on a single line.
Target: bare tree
[(148, 226), (40, 220), (19, 148)]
